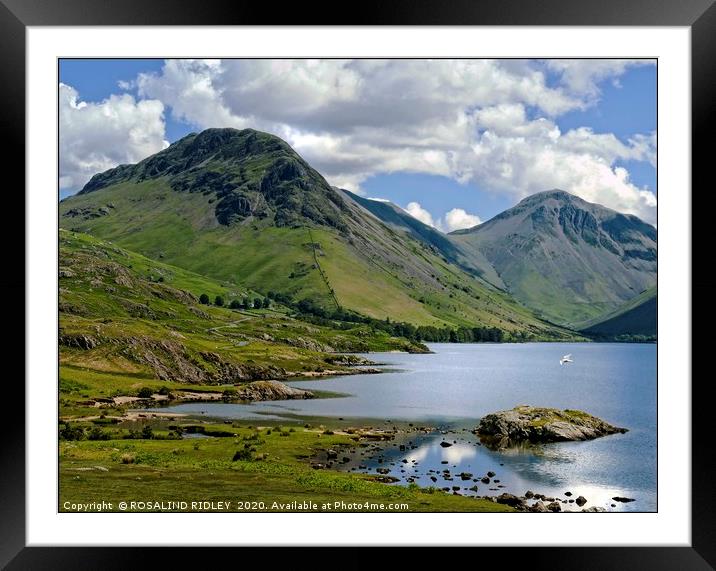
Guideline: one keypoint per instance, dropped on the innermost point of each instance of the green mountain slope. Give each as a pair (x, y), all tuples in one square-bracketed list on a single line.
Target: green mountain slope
[(127, 321), (635, 317), (568, 259), (243, 207)]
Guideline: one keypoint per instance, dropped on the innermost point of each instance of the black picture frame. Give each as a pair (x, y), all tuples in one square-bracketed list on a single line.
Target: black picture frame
[(17, 15)]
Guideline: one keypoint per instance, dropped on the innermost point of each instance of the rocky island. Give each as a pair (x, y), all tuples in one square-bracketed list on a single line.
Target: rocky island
[(542, 425)]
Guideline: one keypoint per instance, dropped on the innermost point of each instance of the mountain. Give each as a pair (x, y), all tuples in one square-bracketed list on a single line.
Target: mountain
[(242, 207), (636, 318), (566, 258), (127, 321)]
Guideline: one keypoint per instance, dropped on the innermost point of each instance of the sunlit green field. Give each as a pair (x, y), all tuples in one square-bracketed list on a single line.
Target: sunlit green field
[(275, 469)]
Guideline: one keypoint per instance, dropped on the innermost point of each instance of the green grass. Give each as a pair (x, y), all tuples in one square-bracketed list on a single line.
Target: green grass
[(139, 325), (202, 469), (636, 317), (394, 277)]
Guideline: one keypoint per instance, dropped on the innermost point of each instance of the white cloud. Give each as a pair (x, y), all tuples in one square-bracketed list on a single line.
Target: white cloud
[(457, 219), (97, 136), (489, 123), (582, 76), (417, 211)]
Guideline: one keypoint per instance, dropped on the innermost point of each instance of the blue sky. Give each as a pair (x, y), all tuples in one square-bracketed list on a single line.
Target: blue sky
[(370, 155)]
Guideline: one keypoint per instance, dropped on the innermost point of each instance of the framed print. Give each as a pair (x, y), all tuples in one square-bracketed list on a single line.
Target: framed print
[(377, 283)]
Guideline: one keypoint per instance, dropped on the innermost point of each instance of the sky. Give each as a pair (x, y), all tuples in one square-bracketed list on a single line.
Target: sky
[(453, 142)]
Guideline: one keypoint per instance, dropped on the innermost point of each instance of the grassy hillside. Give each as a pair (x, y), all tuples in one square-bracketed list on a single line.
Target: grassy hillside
[(637, 317), (128, 322), (350, 259)]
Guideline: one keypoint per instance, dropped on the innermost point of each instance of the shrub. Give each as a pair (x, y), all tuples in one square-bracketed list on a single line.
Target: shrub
[(72, 432), (147, 433), (243, 454), (258, 303), (127, 459), (235, 304), (105, 420), (164, 391), (96, 433), (145, 393), (203, 298), (219, 301)]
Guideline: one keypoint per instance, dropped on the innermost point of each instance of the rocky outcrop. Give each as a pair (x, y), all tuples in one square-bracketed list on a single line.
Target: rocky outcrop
[(348, 360), (171, 360), (227, 371), (270, 390), (306, 343), (79, 341), (542, 425)]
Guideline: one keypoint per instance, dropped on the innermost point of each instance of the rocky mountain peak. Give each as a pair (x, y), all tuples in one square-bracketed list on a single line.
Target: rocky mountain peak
[(246, 173)]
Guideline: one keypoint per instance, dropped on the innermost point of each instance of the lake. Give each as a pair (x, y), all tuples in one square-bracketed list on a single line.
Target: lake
[(459, 383)]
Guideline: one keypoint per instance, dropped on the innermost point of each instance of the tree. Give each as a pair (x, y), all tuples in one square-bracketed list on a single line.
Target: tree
[(257, 303), (219, 301), (203, 298), (147, 432), (267, 303), (235, 304), (145, 393)]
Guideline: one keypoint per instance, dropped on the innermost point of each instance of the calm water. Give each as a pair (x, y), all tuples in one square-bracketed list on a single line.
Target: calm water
[(458, 384)]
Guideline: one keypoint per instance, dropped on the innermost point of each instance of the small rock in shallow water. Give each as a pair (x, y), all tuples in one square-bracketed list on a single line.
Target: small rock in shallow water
[(581, 500), (445, 444), (567, 494), (554, 507), (622, 499)]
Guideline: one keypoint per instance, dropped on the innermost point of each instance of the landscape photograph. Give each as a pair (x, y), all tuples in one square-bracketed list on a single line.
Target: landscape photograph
[(397, 285)]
